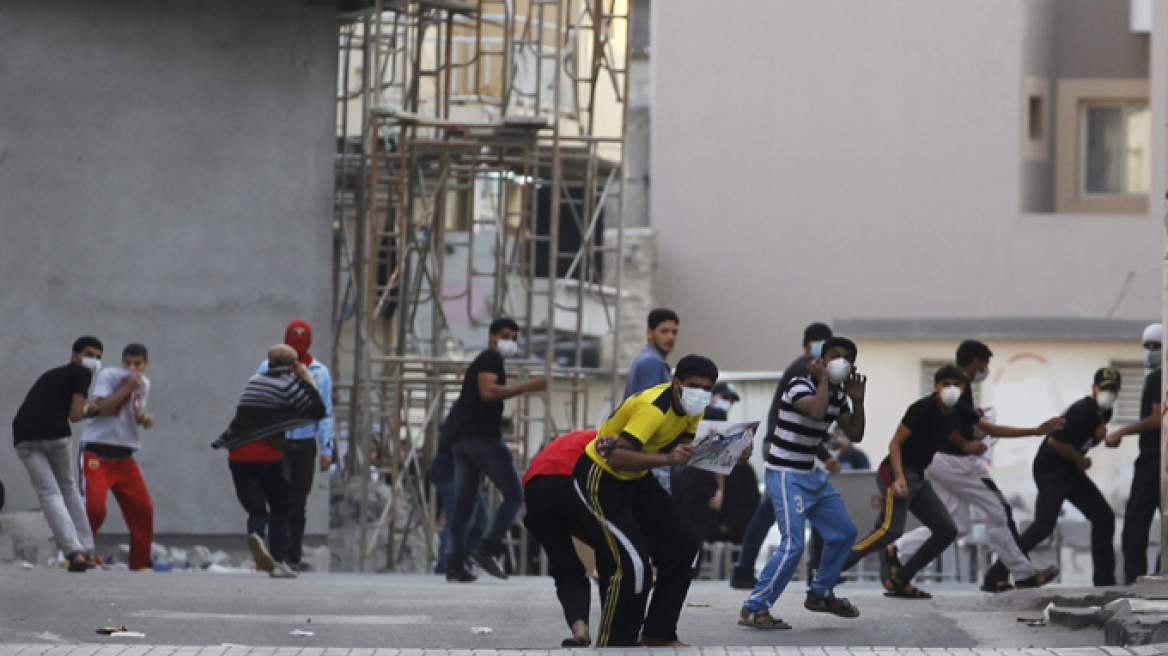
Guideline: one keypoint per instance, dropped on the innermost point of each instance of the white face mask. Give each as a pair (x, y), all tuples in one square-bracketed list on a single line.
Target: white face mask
[(817, 349), (981, 375), (950, 394), (694, 400), (507, 347), (1105, 399), (723, 404), (838, 369), (92, 364), (1153, 358)]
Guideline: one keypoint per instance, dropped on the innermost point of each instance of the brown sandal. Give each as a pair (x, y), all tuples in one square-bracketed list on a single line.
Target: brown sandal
[(760, 619), (894, 588)]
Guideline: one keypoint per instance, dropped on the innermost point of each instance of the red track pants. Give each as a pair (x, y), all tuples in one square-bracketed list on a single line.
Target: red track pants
[(124, 479)]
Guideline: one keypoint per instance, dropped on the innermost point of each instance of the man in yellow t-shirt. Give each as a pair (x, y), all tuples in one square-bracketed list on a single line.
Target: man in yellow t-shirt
[(641, 524)]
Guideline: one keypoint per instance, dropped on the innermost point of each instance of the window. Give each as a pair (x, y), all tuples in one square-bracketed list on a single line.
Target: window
[(1115, 154), (1035, 115), (1102, 145), (930, 367), (1127, 406), (1036, 118)]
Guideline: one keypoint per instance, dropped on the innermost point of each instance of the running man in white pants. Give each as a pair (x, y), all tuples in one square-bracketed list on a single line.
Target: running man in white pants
[(963, 480)]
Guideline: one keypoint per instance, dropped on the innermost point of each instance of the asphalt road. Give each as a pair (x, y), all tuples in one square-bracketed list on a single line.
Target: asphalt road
[(342, 610)]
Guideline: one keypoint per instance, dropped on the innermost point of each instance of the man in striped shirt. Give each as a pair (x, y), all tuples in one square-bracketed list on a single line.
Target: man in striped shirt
[(831, 391), (283, 398)]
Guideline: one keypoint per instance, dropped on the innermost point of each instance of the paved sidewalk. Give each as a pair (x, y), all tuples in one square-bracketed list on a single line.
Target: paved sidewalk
[(240, 650)]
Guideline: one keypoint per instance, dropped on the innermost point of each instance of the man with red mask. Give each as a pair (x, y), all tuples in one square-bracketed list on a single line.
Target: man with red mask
[(300, 446)]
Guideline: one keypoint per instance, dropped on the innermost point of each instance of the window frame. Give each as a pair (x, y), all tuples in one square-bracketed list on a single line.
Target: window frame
[(1069, 98), (1126, 105)]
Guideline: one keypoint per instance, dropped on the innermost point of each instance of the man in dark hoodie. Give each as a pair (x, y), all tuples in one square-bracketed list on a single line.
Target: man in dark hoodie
[(282, 398)]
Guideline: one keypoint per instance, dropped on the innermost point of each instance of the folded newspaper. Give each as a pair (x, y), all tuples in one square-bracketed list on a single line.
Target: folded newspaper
[(719, 444)]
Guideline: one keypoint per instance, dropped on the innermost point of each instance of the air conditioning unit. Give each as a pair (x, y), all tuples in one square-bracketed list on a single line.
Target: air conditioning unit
[(1141, 16)]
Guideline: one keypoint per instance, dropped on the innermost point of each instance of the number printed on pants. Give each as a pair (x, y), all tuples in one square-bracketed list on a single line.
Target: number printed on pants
[(799, 504)]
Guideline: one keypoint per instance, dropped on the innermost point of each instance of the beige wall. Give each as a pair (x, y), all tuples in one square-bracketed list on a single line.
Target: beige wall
[(826, 160)]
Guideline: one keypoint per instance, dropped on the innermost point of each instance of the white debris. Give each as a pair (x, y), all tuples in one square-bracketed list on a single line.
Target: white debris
[(127, 634), (481, 630), (199, 556), (300, 633)]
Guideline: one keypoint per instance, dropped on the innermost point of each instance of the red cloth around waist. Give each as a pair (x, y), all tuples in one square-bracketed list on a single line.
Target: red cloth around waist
[(559, 458), (258, 451)]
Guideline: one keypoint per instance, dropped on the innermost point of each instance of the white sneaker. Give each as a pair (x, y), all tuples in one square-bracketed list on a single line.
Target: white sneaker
[(259, 553), (282, 571)]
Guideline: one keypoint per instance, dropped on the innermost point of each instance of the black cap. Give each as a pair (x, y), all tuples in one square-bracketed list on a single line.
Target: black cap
[(726, 391), (1108, 378), (816, 332)]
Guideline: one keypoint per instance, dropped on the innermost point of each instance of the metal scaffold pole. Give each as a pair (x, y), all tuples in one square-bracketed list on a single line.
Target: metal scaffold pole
[(489, 183)]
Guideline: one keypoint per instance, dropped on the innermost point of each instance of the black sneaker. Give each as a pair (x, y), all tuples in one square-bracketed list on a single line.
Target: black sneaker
[(488, 563), (744, 583), (459, 575)]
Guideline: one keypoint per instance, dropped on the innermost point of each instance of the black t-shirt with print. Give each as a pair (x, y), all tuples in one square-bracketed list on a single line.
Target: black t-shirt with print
[(1084, 418), (479, 419), (1150, 440), (930, 430), (44, 415)]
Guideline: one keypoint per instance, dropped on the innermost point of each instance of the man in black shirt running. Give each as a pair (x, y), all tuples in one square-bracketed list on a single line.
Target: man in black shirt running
[(479, 450), (1060, 471)]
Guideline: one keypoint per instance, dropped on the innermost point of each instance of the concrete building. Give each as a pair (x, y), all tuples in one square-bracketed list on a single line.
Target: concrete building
[(915, 173), (166, 176)]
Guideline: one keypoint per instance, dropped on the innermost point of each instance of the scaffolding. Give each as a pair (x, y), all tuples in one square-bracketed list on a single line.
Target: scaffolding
[(479, 174)]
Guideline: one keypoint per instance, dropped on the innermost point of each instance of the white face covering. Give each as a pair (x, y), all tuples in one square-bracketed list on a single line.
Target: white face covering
[(694, 400), (1105, 399), (981, 375), (92, 364), (507, 347), (838, 369), (723, 404), (950, 394), (1153, 358)]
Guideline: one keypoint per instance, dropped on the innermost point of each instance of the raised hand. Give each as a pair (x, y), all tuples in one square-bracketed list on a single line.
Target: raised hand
[(855, 385), (818, 371)]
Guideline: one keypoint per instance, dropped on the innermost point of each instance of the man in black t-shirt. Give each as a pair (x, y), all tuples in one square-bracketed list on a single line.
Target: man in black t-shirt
[(1060, 472), (479, 450), (1144, 500), (41, 432)]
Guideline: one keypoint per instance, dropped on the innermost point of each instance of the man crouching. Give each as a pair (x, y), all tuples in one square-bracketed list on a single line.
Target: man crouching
[(282, 398)]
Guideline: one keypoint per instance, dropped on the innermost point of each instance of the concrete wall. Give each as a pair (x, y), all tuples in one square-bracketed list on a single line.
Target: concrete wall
[(1095, 40), (165, 177), (853, 160)]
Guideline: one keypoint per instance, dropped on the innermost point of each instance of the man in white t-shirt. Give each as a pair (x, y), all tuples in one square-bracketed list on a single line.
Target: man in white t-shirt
[(108, 444)]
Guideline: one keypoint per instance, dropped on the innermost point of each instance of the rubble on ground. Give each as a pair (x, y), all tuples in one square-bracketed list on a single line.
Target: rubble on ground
[(345, 530)]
